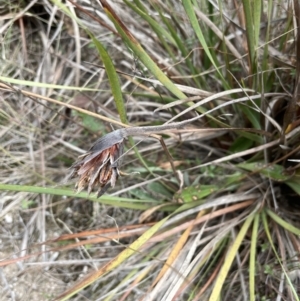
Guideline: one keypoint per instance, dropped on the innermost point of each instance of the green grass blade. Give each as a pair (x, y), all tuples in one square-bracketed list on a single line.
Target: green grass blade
[(112, 77), (138, 50), (265, 61), (108, 64), (257, 5), (199, 81), (248, 10), (294, 183), (252, 11), (163, 35), (283, 223), (195, 24), (172, 36), (157, 28), (105, 199), (252, 115)]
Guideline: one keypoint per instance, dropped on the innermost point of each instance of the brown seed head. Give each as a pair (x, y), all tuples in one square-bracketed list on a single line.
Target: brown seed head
[(99, 167)]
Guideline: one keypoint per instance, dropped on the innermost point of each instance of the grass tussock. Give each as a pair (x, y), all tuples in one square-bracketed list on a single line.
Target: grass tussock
[(204, 205)]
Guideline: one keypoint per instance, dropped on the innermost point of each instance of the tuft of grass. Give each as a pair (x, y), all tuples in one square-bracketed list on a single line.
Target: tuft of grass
[(204, 212)]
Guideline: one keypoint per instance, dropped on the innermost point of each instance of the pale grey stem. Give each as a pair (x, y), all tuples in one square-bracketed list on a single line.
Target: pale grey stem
[(118, 136), (156, 129)]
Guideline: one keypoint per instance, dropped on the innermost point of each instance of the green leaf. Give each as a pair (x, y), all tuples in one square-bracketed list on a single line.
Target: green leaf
[(241, 144), (140, 194), (274, 172), (195, 193), (160, 190)]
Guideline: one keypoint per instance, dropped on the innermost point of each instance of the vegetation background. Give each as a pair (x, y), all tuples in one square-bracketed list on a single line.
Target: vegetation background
[(208, 212)]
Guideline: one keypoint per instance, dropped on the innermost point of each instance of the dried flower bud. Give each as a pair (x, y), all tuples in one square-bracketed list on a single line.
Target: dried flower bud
[(99, 167)]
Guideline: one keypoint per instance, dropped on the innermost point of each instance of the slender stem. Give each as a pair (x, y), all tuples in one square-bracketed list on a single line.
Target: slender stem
[(156, 129)]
